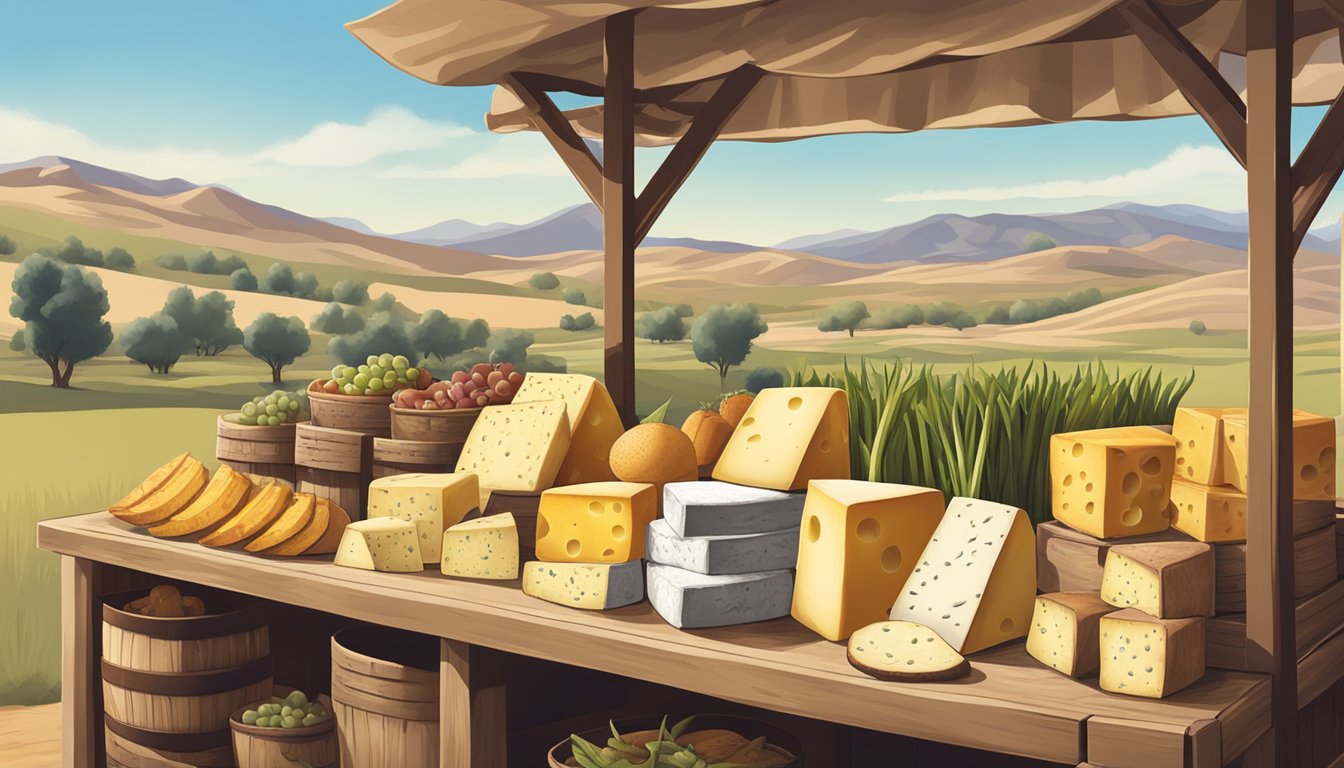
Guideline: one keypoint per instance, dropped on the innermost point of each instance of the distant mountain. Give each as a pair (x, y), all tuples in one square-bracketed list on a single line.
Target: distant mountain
[(354, 225), (106, 177), (452, 231)]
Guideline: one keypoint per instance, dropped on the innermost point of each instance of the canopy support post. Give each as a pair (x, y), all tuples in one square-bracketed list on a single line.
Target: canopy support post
[(551, 123), (1317, 169), (618, 212), (1271, 632)]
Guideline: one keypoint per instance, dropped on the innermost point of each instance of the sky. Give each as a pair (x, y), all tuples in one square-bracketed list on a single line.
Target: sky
[(276, 101)]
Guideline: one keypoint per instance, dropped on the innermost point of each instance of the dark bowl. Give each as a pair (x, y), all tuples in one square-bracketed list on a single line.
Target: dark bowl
[(776, 738)]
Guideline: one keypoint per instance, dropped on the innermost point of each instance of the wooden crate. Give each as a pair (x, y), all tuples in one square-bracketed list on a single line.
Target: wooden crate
[(1314, 568), (266, 451), (1319, 616), (400, 457), (336, 464)]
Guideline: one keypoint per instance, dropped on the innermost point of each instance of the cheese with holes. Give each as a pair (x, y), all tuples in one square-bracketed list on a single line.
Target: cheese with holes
[(859, 542), (904, 652), (1208, 513), (1168, 580), (1065, 631), (722, 555), (688, 600), (483, 548), (517, 447), (713, 508), (595, 522), (381, 544), (1144, 656), (594, 423), (975, 583), (1112, 482), (591, 586), (1313, 455), (432, 501), (1199, 443), (788, 436)]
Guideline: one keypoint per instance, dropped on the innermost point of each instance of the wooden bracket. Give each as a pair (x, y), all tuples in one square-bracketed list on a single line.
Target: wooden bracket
[(551, 123), (1317, 169)]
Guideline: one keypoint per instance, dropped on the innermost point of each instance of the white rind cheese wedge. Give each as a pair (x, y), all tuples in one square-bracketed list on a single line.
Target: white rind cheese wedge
[(484, 548), (432, 501), (594, 587), (1064, 631), (688, 600), (1154, 658), (517, 447), (1164, 579), (906, 652), (381, 544)]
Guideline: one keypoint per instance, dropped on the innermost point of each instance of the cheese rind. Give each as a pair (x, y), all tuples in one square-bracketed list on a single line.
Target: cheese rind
[(593, 420), (1166, 580), (1145, 656), (1065, 631), (484, 548), (434, 502), (714, 508), (788, 436), (594, 587), (688, 600), (595, 522), (1213, 514), (1072, 561), (1313, 455), (975, 583), (905, 652), (722, 555), (517, 447), (1112, 482), (859, 543), (381, 544)]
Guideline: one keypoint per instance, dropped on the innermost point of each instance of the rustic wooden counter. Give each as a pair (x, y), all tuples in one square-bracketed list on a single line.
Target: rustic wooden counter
[(1009, 704)]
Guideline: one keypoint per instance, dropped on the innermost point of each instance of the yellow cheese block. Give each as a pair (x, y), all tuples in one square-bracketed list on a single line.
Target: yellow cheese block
[(1166, 579), (382, 544), (1065, 630), (1208, 513), (1313, 455), (434, 502), (594, 422), (484, 548), (860, 541), (1199, 443), (517, 447), (1112, 482), (1154, 658), (788, 436), (595, 522)]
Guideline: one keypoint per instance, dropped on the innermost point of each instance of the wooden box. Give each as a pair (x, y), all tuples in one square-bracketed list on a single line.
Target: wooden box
[(1314, 568), (402, 457), (1319, 617), (1339, 544), (524, 507), (266, 451), (336, 464)]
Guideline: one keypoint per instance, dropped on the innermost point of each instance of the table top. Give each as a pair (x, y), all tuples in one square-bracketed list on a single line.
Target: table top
[(1009, 704)]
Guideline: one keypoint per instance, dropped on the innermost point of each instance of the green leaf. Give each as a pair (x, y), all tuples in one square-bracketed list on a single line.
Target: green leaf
[(659, 414)]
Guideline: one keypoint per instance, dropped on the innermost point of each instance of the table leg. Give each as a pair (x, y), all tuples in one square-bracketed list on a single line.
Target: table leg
[(81, 646), (473, 722)]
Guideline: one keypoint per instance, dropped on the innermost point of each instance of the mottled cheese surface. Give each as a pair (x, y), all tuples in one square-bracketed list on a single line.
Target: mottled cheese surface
[(381, 544), (594, 587), (1313, 455), (484, 548), (1214, 514), (1153, 658), (432, 501), (902, 649), (1064, 631), (593, 421), (517, 447)]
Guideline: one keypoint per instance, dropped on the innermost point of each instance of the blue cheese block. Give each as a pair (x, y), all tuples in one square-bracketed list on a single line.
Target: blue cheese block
[(723, 555), (381, 544), (592, 586), (713, 508), (689, 600)]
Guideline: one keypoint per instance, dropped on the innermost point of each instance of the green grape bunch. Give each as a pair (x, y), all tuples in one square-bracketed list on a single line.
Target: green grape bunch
[(379, 375), (293, 711), (279, 407)]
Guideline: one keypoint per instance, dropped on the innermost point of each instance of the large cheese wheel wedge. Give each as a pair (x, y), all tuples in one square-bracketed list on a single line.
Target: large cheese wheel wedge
[(181, 487), (225, 494), (152, 483), (294, 519), (593, 421), (906, 652), (257, 514)]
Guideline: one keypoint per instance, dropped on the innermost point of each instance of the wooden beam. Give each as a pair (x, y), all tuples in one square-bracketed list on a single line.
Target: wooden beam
[(1317, 169), (81, 641), (1271, 633), (618, 212), (552, 123), (473, 718), (1200, 82), (683, 158)]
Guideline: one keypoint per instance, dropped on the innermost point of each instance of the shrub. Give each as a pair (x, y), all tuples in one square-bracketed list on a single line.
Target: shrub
[(509, 345), (73, 251), (544, 281), (1198, 327), (574, 296), (7, 245), (17, 342), (581, 323), (1038, 241), (1076, 300), (660, 325), (902, 316), (173, 261), (336, 319), (350, 292), (764, 378), (961, 321), (243, 280), (684, 310), (843, 316), (940, 312), (383, 332), (994, 315)]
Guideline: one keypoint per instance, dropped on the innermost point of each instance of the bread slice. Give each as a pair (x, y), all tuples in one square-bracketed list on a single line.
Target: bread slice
[(152, 483), (296, 544), (331, 538), (254, 516), (225, 494), (180, 489), (289, 524), (905, 652)]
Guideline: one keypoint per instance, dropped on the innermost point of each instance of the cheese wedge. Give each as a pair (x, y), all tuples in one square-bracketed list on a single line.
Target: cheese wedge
[(517, 447), (1112, 482), (594, 587), (381, 544), (432, 501), (1167, 579), (225, 494), (314, 530), (152, 483), (1066, 631), (595, 522), (484, 548), (1313, 455), (173, 496), (905, 652), (254, 516), (289, 524), (593, 420), (789, 436), (1154, 658), (1214, 514), (331, 538)]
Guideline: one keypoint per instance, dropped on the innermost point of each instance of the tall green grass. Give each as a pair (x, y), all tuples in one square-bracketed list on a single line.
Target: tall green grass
[(985, 434)]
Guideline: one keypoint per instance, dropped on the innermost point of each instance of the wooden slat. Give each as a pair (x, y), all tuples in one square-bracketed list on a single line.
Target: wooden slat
[(1245, 721), (1200, 82), (1114, 742), (1318, 617), (552, 123), (1317, 170), (1320, 670), (81, 648), (473, 721), (618, 212), (1205, 744)]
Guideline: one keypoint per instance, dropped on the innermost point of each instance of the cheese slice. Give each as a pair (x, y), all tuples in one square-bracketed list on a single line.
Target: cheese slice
[(1215, 514), (1199, 443), (433, 502), (484, 548), (1112, 482), (859, 543), (594, 587), (593, 421), (905, 652), (788, 436), (595, 522), (1165, 579), (517, 447), (1144, 656), (1065, 631), (1313, 455), (975, 583), (381, 544)]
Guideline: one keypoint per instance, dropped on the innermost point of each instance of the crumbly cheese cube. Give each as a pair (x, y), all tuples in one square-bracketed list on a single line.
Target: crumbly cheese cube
[(905, 652), (595, 522), (1112, 482), (594, 423), (859, 542), (433, 502), (1313, 455), (381, 544), (517, 447), (1199, 443), (1164, 579), (592, 586), (1065, 631), (484, 548), (788, 436), (1208, 513), (1144, 656), (975, 583)]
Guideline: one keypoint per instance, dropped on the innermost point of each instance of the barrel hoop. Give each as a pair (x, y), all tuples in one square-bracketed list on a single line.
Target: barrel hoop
[(188, 683), (168, 741)]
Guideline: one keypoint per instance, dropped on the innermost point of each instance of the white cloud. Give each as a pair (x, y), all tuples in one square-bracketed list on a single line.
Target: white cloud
[(388, 131), (510, 156)]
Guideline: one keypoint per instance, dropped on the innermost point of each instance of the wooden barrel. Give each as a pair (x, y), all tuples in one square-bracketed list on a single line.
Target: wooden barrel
[(358, 413), (170, 684), (336, 464), (403, 457), (266, 451), (385, 694), (450, 426), (255, 747), (128, 747)]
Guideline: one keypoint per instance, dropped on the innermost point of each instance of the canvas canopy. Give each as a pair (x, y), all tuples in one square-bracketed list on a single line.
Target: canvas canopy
[(841, 66)]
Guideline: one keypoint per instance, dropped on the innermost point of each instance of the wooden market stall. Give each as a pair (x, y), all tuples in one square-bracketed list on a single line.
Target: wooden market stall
[(687, 72)]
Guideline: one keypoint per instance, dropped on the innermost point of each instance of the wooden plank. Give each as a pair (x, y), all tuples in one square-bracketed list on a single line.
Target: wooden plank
[(1318, 617), (1314, 568), (618, 212), (1245, 721), (550, 122), (473, 719), (1114, 742), (1204, 743), (81, 647), (1317, 170), (1320, 670)]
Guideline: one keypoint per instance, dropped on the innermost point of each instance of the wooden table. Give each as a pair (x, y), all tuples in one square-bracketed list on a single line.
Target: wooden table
[(1009, 704)]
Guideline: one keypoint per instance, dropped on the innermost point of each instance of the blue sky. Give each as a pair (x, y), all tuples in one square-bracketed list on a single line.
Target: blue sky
[(277, 101)]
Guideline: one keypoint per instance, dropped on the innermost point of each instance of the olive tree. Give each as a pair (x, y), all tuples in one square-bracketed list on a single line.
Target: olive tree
[(156, 342), (544, 281), (336, 319), (843, 316), (276, 341), (661, 325), (722, 336), (207, 320), (63, 306), (383, 332), (350, 292)]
